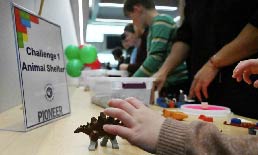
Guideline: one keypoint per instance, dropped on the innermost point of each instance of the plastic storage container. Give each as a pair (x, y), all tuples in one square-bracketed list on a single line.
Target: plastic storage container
[(121, 87), (101, 73)]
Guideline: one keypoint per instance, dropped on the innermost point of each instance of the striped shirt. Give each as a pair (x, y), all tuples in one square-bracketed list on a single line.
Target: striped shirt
[(159, 42)]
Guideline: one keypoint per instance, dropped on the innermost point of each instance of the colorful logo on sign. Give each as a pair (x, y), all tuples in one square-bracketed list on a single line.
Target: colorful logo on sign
[(23, 21)]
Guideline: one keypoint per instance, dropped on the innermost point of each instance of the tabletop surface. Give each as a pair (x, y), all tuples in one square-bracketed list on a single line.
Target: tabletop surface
[(58, 137)]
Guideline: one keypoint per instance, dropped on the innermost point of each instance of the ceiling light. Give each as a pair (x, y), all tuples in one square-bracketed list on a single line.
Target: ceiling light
[(90, 3), (113, 20), (166, 8), (117, 5), (81, 22)]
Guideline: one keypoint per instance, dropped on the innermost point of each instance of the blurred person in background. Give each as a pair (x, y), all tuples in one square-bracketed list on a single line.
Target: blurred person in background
[(162, 29), (141, 52), (118, 56)]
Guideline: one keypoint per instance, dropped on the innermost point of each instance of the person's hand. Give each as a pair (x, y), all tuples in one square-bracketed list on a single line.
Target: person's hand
[(160, 80), (244, 69), (123, 66), (202, 80), (141, 124)]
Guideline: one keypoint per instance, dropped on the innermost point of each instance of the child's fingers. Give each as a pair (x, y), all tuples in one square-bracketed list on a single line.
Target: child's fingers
[(121, 115), (122, 104), (256, 84), (121, 131), (134, 102), (246, 76)]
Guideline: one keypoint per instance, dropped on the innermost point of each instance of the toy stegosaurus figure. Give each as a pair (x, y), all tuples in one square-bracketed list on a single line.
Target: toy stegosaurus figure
[(95, 131)]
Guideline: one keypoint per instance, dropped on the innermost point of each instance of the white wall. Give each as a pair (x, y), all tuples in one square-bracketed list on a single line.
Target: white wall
[(10, 94), (56, 11), (59, 11), (28, 4)]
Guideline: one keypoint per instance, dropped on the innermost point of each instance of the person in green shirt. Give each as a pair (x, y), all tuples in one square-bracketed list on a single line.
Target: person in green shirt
[(162, 28)]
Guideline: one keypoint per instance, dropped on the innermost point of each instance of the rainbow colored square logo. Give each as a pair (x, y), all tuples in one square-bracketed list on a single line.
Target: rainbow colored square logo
[(23, 21)]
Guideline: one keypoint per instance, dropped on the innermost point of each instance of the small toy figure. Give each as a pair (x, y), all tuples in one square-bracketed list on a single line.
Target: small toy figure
[(174, 114), (165, 102), (162, 102), (175, 102), (95, 131), (237, 122), (206, 118), (204, 105), (181, 96)]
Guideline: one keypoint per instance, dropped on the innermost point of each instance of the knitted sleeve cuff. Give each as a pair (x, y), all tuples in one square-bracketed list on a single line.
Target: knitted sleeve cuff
[(172, 138)]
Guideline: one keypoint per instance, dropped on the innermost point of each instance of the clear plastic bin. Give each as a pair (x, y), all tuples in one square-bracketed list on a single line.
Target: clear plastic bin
[(122, 87), (101, 73)]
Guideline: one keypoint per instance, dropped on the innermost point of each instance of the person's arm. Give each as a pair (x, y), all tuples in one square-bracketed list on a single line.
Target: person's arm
[(150, 131), (243, 46), (179, 50), (123, 66), (202, 138), (177, 55)]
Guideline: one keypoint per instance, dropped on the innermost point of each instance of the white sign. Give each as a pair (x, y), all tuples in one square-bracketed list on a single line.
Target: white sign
[(41, 67)]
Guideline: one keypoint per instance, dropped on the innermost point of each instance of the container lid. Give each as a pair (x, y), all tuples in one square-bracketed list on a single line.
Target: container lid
[(209, 110)]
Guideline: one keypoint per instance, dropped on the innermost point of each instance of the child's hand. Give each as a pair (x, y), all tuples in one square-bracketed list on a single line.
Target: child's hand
[(141, 124), (244, 69)]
